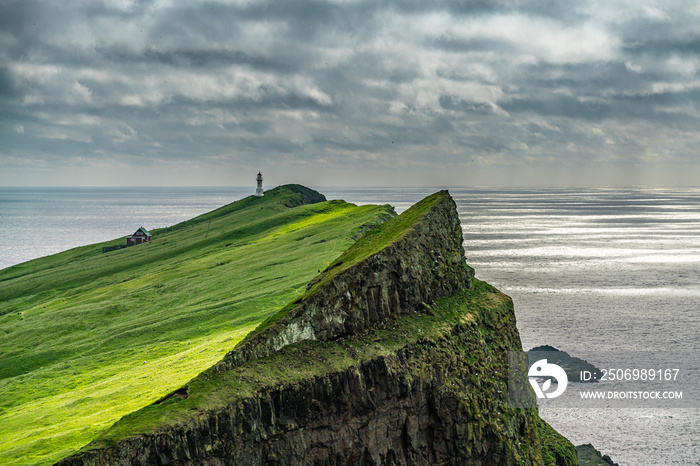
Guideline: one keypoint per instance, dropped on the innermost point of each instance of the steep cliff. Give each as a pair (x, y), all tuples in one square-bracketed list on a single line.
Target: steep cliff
[(87, 337), (394, 269), (395, 355)]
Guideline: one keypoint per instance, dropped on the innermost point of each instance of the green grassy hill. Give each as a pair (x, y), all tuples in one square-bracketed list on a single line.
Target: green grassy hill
[(87, 337), (370, 243)]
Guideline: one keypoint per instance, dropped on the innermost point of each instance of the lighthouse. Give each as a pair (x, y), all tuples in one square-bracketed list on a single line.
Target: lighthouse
[(259, 191)]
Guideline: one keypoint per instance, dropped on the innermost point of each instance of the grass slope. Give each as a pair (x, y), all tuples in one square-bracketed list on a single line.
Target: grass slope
[(556, 449), (479, 307), (371, 243), (87, 337)]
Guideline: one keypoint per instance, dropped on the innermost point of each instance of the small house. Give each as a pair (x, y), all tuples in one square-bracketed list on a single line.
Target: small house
[(141, 236)]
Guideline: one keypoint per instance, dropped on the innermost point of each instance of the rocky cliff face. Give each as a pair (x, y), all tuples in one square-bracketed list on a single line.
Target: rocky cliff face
[(425, 263), (400, 358)]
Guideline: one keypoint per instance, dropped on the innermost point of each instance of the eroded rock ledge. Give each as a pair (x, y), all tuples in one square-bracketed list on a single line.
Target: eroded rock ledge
[(409, 264)]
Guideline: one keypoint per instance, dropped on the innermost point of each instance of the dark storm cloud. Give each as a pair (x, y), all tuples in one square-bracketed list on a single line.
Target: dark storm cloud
[(269, 99), (474, 44), (212, 84), (662, 46), (450, 102), (14, 16), (196, 58), (8, 87)]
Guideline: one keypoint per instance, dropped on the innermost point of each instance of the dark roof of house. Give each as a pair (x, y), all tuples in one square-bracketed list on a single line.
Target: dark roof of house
[(144, 230)]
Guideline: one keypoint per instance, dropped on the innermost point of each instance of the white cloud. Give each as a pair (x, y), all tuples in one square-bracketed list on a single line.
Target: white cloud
[(65, 135), (635, 68), (81, 93), (79, 120), (544, 39)]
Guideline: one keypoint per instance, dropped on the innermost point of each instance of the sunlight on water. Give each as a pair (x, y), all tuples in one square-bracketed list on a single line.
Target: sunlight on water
[(604, 269), (679, 257), (609, 291)]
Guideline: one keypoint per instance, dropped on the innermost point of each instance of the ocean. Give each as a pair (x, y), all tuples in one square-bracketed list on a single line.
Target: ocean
[(613, 269), (36, 222)]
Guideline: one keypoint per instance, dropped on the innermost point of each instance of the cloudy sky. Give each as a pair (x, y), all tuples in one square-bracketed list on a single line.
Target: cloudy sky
[(344, 92)]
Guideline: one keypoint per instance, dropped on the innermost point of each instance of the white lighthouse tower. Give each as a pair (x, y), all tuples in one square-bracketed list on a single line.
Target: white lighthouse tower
[(259, 190)]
